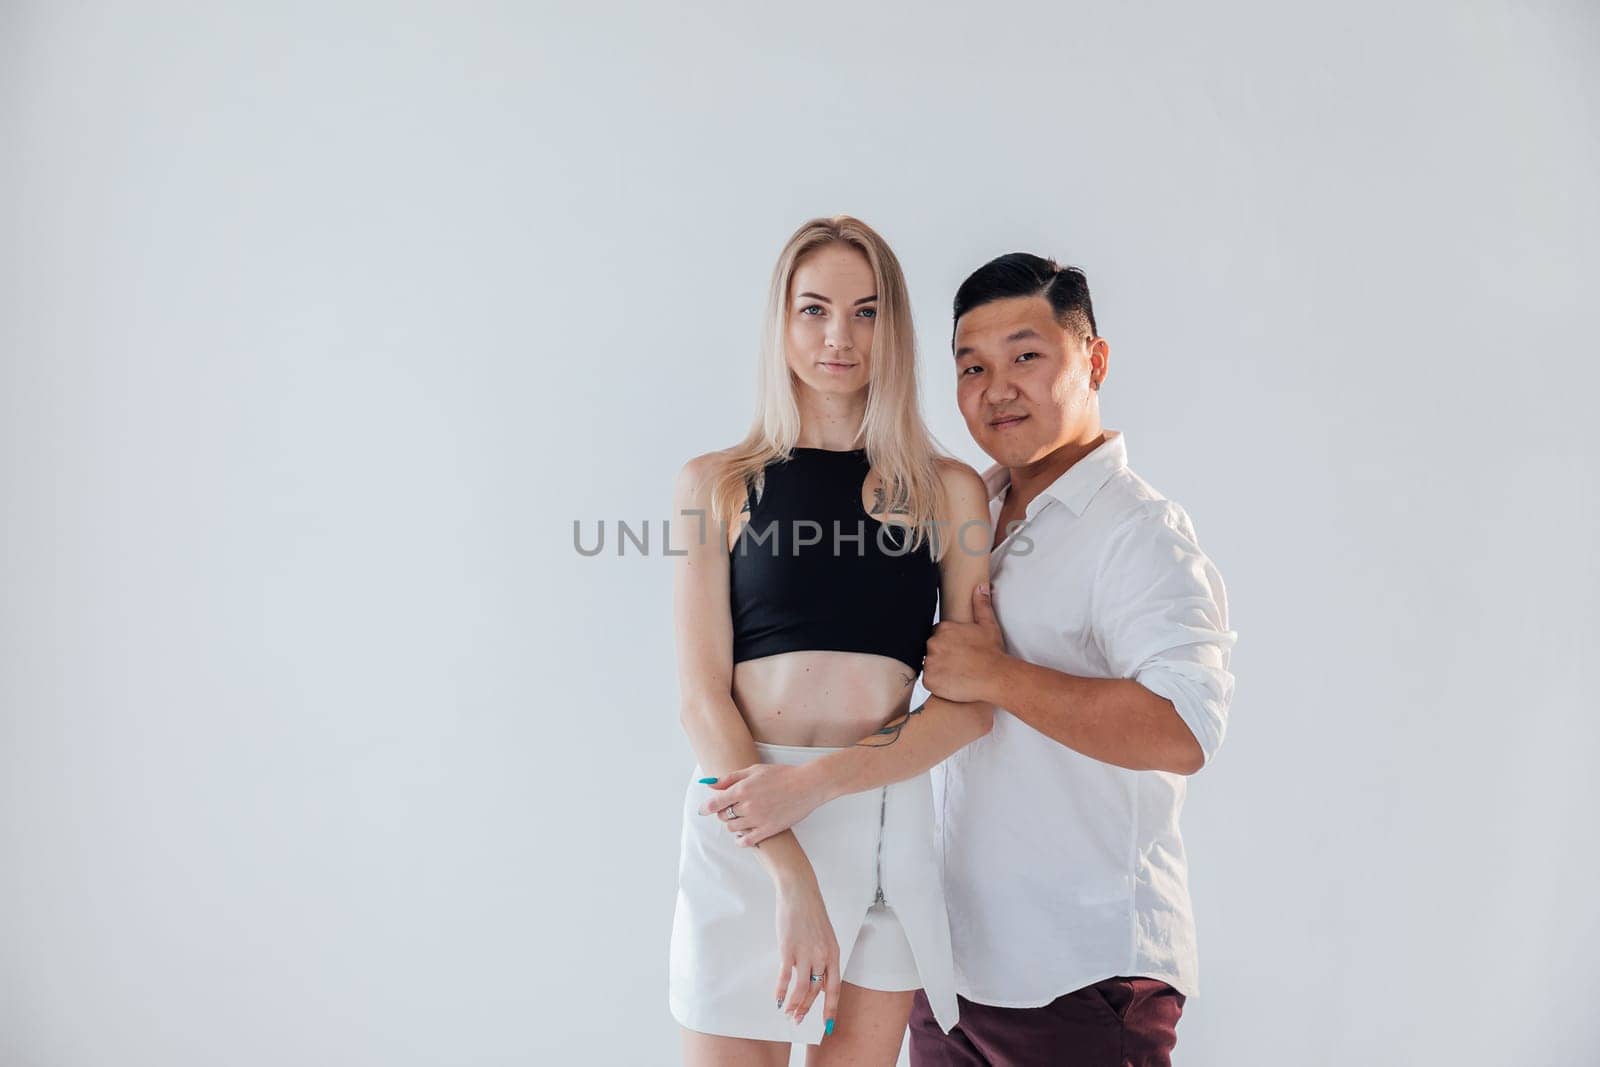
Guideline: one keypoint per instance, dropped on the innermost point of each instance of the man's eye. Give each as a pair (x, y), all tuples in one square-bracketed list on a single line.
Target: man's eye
[(966, 370), (1028, 354)]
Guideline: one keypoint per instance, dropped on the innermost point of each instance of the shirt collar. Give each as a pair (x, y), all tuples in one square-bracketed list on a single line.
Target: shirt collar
[(1077, 485)]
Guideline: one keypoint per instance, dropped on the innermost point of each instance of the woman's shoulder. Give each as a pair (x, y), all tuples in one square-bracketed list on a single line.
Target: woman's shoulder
[(963, 485), (699, 473), (951, 467), (706, 463)]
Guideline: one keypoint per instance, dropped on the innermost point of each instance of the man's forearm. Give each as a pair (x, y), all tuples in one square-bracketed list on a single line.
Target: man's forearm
[(1114, 720), (907, 746)]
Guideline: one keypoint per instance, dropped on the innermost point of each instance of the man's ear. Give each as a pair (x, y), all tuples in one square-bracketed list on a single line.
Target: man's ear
[(1099, 361)]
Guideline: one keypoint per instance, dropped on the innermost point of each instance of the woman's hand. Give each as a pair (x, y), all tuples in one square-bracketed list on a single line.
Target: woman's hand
[(806, 946), (766, 799)]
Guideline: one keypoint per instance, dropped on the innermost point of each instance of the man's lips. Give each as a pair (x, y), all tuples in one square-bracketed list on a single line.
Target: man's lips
[(1005, 421)]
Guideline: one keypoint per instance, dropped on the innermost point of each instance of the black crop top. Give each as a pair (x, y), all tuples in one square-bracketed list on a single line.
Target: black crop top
[(791, 588)]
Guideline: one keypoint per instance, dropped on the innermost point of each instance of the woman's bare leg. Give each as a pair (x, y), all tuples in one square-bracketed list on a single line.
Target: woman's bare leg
[(867, 1032), (711, 1050)]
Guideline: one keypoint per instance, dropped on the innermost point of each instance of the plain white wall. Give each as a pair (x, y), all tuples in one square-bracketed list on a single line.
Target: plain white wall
[(321, 324)]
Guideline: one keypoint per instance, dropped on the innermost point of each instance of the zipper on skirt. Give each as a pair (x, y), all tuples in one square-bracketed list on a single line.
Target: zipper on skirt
[(883, 809)]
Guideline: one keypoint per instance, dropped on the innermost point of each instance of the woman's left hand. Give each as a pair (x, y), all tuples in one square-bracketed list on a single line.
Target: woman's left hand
[(766, 798)]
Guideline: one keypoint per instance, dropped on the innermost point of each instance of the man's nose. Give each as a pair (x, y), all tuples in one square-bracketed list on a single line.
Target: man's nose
[(1000, 388)]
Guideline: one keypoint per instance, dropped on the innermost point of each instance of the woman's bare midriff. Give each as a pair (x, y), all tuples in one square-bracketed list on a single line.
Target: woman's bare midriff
[(820, 698)]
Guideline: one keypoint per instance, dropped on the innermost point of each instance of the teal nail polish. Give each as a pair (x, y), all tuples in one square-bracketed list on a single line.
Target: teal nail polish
[(826, 1030), (708, 781)]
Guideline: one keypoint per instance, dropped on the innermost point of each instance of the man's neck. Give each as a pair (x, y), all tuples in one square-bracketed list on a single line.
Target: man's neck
[(1029, 480)]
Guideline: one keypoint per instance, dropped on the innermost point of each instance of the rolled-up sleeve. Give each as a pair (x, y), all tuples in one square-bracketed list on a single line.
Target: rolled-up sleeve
[(1160, 616)]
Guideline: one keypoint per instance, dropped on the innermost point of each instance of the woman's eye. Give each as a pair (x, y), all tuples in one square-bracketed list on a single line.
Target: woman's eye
[(870, 313), (810, 308)]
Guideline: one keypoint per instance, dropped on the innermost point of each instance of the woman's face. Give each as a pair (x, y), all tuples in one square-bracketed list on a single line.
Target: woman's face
[(833, 303)]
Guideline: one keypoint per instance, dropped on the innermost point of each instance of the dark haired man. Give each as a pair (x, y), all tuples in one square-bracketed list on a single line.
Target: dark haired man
[(1065, 873), (1103, 643)]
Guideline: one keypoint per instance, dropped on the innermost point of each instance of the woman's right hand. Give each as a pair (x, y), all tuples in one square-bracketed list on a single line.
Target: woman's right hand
[(806, 946)]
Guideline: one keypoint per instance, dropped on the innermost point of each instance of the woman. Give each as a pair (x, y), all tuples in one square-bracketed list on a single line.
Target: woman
[(802, 615)]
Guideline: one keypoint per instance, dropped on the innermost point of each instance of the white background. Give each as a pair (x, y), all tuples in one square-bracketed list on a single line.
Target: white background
[(321, 324)]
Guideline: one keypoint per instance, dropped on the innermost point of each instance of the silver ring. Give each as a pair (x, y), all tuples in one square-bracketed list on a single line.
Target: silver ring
[(816, 978), (727, 814)]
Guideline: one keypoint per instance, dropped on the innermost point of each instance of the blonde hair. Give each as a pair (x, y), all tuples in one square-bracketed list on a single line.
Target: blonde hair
[(898, 445)]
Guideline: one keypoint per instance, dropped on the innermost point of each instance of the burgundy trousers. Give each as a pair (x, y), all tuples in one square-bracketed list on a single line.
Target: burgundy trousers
[(1120, 1022)]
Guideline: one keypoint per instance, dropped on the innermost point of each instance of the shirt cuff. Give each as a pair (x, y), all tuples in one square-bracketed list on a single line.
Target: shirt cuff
[(1192, 690)]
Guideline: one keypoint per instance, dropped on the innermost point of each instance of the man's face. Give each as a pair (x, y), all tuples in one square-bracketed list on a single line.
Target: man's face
[(1026, 384)]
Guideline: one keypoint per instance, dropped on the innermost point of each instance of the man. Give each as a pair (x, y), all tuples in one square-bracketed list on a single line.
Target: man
[(1103, 644), (1065, 873)]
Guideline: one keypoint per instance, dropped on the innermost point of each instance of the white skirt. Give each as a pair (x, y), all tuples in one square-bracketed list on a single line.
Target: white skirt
[(724, 965)]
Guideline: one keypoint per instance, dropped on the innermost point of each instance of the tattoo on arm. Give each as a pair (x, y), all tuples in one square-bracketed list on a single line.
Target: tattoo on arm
[(891, 730), (901, 505)]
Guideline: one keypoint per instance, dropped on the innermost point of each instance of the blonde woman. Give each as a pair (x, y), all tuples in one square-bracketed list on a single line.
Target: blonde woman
[(803, 610)]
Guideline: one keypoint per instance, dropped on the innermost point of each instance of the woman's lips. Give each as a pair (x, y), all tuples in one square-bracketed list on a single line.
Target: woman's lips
[(837, 368)]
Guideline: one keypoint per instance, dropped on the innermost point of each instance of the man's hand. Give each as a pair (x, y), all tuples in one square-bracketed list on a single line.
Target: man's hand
[(963, 657), (766, 799)]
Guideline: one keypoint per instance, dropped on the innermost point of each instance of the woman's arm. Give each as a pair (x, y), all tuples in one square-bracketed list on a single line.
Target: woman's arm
[(717, 731), (721, 740), (773, 798)]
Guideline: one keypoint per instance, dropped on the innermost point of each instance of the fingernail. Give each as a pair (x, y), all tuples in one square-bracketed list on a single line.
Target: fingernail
[(708, 781), (826, 1030), (780, 1005)]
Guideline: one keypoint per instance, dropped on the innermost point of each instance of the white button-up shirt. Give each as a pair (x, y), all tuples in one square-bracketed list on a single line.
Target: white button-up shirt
[(1061, 870)]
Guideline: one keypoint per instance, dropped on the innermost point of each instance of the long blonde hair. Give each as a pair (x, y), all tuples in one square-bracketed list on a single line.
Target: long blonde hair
[(898, 444)]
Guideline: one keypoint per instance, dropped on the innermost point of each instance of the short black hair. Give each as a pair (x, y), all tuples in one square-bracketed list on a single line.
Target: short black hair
[(1025, 274)]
